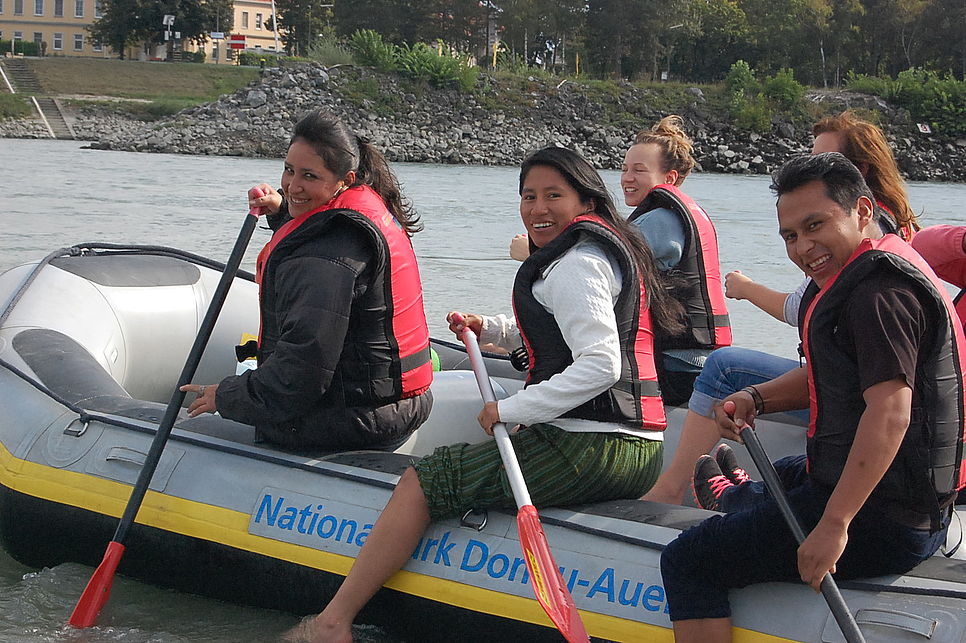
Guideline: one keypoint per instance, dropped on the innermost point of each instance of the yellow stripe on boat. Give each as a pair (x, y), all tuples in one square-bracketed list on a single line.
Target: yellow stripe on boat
[(230, 528)]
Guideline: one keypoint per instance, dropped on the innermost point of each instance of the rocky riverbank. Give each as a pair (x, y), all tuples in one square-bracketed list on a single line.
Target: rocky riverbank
[(498, 125)]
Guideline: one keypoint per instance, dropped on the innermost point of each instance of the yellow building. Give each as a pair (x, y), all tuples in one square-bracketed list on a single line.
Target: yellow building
[(57, 25), (60, 27), (252, 18)]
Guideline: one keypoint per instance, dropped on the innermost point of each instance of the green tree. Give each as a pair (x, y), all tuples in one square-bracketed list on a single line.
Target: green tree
[(119, 26), (301, 22), (399, 21)]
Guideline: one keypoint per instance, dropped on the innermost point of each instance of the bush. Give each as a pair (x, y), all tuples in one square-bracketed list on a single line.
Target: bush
[(783, 90), (513, 63), (198, 56), (329, 50), (14, 106), (874, 85), (751, 113), (741, 79), (422, 62), (255, 59), (371, 50), (939, 101), (25, 47)]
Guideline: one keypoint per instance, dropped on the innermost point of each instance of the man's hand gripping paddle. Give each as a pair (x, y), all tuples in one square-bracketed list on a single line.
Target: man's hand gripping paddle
[(548, 584), (98, 589), (850, 629)]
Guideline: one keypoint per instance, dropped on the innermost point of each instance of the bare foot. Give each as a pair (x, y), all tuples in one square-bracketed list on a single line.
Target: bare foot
[(313, 629), (668, 496)]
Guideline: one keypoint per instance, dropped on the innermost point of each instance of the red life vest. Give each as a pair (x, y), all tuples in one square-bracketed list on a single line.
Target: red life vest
[(887, 221), (635, 399), (707, 314), (934, 439), (407, 336)]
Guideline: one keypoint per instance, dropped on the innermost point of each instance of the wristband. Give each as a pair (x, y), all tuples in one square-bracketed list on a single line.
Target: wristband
[(756, 398)]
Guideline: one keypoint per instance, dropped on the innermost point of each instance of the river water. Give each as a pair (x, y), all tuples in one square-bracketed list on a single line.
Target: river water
[(54, 194)]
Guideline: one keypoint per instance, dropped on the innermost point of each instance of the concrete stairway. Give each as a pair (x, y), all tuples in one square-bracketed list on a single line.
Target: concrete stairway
[(24, 81), (55, 118)]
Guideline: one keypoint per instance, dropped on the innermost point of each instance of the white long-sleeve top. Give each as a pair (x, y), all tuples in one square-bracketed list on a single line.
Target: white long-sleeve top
[(579, 289)]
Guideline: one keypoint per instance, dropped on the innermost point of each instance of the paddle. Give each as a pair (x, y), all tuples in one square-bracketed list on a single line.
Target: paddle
[(99, 587), (548, 584), (850, 629)]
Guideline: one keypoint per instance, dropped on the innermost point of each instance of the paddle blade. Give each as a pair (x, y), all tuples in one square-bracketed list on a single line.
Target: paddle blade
[(98, 588), (548, 584)]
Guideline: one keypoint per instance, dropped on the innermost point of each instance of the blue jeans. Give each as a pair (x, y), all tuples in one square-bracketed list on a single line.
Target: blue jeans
[(730, 369), (754, 545)]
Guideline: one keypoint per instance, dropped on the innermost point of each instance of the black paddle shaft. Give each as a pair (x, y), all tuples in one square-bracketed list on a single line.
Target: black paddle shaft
[(187, 373), (836, 603)]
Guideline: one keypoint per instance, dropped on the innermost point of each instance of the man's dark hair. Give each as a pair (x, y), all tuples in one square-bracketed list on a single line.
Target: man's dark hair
[(843, 181)]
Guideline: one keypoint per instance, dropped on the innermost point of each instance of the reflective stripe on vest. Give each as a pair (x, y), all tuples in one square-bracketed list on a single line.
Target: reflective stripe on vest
[(409, 338), (708, 323), (947, 416), (635, 398)]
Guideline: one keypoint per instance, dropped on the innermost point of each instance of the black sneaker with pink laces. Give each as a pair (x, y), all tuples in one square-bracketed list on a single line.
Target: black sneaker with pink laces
[(728, 463), (709, 483)]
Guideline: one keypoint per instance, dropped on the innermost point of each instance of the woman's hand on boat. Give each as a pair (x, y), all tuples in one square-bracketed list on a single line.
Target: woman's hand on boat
[(473, 322), (205, 402), (489, 416), (733, 414), (269, 203), (819, 552)]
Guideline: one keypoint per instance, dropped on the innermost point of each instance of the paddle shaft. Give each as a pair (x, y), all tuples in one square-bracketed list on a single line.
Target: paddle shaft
[(548, 585), (836, 603), (187, 373), (519, 486)]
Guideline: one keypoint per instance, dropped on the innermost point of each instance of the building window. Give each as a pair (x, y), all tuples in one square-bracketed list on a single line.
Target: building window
[(78, 41), (18, 35), (38, 37), (258, 19), (98, 9), (59, 8), (18, 7), (244, 20), (38, 7), (97, 48), (78, 8), (1, 8), (58, 41)]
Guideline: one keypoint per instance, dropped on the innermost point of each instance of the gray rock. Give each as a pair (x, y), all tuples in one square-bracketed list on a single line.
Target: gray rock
[(256, 98)]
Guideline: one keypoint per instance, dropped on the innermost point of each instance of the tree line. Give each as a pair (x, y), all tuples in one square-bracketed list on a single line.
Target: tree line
[(689, 40)]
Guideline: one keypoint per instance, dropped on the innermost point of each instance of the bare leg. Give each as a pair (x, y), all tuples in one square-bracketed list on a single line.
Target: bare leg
[(698, 435), (388, 547), (703, 630)]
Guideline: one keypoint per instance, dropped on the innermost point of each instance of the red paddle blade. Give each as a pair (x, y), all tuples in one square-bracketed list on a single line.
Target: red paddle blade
[(98, 588), (548, 584)]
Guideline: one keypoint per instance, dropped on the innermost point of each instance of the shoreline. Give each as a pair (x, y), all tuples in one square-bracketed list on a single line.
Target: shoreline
[(496, 126)]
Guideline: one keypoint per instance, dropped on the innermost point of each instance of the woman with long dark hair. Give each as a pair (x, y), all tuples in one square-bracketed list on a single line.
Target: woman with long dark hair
[(343, 350), (587, 303)]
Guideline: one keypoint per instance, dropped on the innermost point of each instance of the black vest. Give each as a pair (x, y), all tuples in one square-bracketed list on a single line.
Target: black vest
[(926, 471), (706, 314), (635, 399)]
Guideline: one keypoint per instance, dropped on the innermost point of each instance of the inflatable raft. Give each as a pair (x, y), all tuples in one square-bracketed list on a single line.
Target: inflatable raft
[(92, 340)]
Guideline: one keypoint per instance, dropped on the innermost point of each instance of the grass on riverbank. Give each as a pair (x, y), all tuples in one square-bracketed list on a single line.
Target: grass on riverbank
[(13, 106), (185, 83)]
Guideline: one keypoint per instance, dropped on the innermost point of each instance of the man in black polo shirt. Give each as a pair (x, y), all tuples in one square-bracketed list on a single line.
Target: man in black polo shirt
[(884, 382)]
